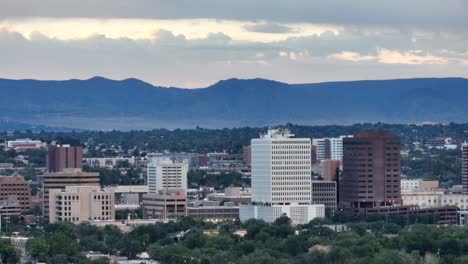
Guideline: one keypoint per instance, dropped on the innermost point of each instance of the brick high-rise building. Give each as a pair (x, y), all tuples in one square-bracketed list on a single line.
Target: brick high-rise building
[(371, 170), (465, 167), (64, 157), (15, 188)]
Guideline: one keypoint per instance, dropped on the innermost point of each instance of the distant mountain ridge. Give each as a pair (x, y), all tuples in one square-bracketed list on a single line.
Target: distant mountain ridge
[(100, 103)]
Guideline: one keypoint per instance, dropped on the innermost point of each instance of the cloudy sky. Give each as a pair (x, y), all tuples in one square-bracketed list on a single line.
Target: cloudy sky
[(188, 43)]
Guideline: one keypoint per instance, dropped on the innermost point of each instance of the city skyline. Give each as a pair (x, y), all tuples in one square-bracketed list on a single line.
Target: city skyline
[(194, 45)]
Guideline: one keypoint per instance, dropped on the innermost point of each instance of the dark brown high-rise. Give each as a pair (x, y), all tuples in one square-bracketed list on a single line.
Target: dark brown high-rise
[(64, 157), (464, 149), (371, 170)]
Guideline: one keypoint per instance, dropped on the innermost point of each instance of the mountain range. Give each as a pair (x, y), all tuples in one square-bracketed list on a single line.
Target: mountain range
[(104, 104)]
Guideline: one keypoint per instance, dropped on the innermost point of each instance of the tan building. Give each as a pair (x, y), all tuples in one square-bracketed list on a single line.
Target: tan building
[(81, 203), (60, 180), (15, 188), (166, 204), (433, 198)]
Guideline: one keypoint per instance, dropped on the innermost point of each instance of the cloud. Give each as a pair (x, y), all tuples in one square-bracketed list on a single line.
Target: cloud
[(269, 28), (171, 59), (428, 14), (351, 56), (410, 57)]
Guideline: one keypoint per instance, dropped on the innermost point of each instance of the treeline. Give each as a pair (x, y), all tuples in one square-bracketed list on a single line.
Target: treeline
[(204, 242), (207, 140)]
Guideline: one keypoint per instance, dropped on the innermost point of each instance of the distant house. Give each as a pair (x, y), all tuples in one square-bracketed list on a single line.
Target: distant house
[(320, 248)]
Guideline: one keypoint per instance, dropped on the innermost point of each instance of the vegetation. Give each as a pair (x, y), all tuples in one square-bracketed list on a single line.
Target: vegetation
[(370, 242)]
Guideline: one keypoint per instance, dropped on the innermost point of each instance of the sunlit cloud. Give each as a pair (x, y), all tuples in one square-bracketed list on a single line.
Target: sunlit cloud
[(411, 57), (351, 56)]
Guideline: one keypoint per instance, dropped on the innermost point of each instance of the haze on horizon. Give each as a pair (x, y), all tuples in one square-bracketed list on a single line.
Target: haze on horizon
[(196, 43)]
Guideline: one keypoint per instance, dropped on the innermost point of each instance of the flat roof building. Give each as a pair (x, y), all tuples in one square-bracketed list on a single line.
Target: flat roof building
[(166, 204), (78, 204), (64, 157), (324, 192), (371, 170), (465, 168), (16, 188), (164, 173), (281, 179), (60, 180)]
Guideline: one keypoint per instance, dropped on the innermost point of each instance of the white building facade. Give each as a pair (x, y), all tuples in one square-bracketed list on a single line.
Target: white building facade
[(329, 148), (166, 174), (281, 182)]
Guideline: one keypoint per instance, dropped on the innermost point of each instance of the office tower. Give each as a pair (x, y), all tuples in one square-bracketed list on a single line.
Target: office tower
[(323, 148), (329, 148), (371, 170), (15, 188), (465, 168), (60, 180), (246, 156), (166, 204), (324, 192), (163, 173), (281, 180), (64, 157), (78, 204)]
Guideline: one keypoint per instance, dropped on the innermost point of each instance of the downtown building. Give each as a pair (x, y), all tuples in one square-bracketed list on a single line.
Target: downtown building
[(163, 173), (328, 148), (60, 157), (281, 180), (62, 180), (371, 170), (64, 169), (167, 186), (464, 149), (371, 183), (77, 204), (15, 196)]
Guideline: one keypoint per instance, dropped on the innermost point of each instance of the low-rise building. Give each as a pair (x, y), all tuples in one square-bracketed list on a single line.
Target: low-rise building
[(9, 208), (433, 198), (213, 213), (298, 213), (24, 144), (419, 184), (233, 195), (166, 204), (78, 204)]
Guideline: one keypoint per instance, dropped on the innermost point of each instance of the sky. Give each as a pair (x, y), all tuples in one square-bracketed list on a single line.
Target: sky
[(193, 44)]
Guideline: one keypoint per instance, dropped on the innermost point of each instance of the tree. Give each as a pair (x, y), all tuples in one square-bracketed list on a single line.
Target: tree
[(38, 248), (8, 253)]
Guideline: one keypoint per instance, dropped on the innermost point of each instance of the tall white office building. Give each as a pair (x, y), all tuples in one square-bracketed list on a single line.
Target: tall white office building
[(163, 173), (281, 182), (329, 148)]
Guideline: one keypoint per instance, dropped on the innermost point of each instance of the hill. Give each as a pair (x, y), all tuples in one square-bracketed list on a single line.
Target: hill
[(100, 103)]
